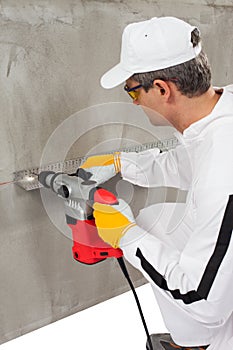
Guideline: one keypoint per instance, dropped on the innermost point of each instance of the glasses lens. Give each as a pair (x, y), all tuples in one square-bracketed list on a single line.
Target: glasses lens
[(134, 92)]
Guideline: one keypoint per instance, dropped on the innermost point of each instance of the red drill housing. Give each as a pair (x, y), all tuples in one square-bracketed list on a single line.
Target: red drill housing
[(88, 247)]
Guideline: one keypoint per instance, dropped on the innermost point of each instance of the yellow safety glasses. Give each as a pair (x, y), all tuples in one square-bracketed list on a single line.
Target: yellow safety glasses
[(133, 92)]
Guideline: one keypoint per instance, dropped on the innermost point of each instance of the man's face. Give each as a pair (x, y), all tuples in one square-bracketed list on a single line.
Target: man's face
[(150, 101)]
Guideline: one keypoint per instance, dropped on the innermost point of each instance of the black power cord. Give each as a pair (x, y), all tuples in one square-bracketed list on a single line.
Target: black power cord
[(126, 274)]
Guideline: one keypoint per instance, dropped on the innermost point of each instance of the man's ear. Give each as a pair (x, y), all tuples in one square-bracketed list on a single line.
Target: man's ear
[(163, 87)]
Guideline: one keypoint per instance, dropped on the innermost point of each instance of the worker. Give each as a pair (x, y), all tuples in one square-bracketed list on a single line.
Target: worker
[(190, 268)]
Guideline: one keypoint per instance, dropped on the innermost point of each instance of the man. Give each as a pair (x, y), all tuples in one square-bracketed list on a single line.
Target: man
[(167, 72)]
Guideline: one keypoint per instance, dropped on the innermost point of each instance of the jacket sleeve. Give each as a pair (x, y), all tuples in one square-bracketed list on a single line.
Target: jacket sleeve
[(153, 169), (200, 277)]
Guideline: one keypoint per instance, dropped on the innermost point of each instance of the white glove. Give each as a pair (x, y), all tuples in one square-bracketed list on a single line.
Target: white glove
[(102, 167), (113, 221)]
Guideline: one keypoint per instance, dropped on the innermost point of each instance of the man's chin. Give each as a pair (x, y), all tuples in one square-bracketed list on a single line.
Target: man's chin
[(155, 118)]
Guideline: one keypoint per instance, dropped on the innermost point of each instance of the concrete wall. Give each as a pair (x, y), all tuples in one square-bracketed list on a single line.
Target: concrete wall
[(52, 55)]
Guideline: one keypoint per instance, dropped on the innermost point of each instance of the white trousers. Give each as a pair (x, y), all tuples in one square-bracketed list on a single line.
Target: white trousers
[(174, 226)]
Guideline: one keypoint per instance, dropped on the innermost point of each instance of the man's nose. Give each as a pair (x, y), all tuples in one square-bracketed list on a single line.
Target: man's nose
[(135, 102)]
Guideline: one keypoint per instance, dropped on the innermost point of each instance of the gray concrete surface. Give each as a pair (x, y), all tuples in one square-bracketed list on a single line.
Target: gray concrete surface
[(52, 55)]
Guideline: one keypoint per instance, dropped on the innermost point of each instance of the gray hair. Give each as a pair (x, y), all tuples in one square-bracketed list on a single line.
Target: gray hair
[(192, 78)]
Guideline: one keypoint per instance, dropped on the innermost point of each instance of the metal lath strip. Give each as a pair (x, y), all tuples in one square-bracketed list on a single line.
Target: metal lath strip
[(27, 179)]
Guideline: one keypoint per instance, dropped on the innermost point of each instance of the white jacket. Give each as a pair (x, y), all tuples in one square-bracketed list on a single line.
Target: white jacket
[(200, 277)]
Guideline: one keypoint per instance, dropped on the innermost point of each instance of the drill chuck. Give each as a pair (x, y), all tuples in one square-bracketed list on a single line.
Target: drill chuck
[(67, 186)]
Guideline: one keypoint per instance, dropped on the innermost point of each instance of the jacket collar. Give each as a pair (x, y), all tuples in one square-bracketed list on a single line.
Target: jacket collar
[(223, 108)]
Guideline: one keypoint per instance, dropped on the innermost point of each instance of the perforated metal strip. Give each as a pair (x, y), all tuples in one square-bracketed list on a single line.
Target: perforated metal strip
[(27, 179)]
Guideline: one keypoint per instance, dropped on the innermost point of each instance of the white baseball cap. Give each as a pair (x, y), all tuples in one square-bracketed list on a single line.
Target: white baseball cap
[(158, 43)]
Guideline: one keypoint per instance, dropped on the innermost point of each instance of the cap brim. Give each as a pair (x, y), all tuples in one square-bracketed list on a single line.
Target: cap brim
[(114, 77)]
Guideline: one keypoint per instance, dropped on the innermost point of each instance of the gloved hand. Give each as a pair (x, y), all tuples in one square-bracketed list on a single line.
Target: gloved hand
[(103, 167), (112, 222)]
